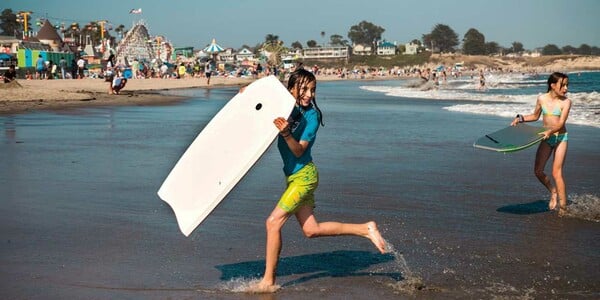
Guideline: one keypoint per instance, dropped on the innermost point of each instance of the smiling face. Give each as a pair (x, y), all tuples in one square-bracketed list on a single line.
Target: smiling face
[(304, 92), (302, 85)]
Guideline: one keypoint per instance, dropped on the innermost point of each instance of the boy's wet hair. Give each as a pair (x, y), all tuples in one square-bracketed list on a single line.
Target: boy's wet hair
[(301, 77)]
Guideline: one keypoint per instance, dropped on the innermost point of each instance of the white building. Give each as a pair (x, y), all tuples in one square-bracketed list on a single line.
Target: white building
[(244, 54), (360, 49), (386, 48), (326, 52), (228, 55), (533, 53), (411, 48)]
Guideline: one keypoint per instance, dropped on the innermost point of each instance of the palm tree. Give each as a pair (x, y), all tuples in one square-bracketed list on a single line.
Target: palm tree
[(271, 39), (275, 47), (323, 37)]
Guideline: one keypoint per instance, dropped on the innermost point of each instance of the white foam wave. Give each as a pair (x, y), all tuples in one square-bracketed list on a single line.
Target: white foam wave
[(464, 92), (591, 99), (585, 110), (502, 110), (579, 115)]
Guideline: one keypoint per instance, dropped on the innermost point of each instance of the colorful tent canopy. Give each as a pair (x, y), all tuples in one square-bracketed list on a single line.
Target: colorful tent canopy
[(4, 56), (213, 47)]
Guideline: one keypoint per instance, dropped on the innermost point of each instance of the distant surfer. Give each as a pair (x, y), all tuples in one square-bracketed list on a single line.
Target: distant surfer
[(296, 138), (554, 106)]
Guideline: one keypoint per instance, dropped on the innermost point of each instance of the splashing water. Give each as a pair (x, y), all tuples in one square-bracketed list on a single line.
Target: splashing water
[(411, 282), (585, 207), (244, 285)]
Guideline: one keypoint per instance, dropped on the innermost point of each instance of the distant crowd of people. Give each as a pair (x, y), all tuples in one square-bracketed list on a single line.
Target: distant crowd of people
[(49, 69), (117, 73)]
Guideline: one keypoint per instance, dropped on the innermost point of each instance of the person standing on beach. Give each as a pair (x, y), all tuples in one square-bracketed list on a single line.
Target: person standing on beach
[(181, 71), (39, 67), (296, 138), (53, 69), (73, 68), (80, 67), (208, 71), (554, 106), (135, 69), (62, 63)]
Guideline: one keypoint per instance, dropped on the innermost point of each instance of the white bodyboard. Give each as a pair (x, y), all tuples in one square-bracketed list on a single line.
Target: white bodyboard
[(224, 151)]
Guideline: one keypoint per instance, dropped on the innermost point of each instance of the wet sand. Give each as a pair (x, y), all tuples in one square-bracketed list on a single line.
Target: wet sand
[(30, 95), (80, 217)]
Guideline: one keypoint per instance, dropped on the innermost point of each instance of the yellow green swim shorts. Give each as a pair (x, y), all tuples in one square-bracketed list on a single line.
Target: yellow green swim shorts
[(300, 189)]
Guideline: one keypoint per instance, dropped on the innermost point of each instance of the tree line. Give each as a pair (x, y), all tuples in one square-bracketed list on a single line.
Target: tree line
[(473, 43), (442, 38)]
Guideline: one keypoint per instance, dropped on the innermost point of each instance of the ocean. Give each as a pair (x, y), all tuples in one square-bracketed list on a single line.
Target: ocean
[(80, 217), (506, 94)]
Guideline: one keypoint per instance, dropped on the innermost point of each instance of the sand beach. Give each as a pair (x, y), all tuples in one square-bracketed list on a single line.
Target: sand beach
[(49, 94)]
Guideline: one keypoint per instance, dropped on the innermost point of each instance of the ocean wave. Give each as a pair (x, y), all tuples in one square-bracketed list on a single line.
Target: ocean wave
[(579, 115), (461, 93), (505, 96)]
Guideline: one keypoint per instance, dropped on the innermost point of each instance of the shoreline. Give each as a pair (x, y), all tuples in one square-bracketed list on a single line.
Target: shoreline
[(31, 95)]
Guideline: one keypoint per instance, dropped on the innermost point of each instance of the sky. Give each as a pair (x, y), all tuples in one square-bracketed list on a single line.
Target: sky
[(234, 23)]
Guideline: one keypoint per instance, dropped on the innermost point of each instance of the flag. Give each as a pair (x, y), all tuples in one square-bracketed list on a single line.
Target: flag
[(136, 11)]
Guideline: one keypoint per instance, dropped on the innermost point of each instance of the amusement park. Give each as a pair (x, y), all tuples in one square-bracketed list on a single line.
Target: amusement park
[(101, 46)]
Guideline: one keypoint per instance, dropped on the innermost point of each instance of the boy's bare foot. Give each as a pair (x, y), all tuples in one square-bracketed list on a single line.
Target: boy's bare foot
[(263, 288), (376, 237), (553, 201)]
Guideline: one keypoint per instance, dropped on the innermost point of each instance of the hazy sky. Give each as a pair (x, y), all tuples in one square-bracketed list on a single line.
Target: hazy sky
[(534, 23)]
